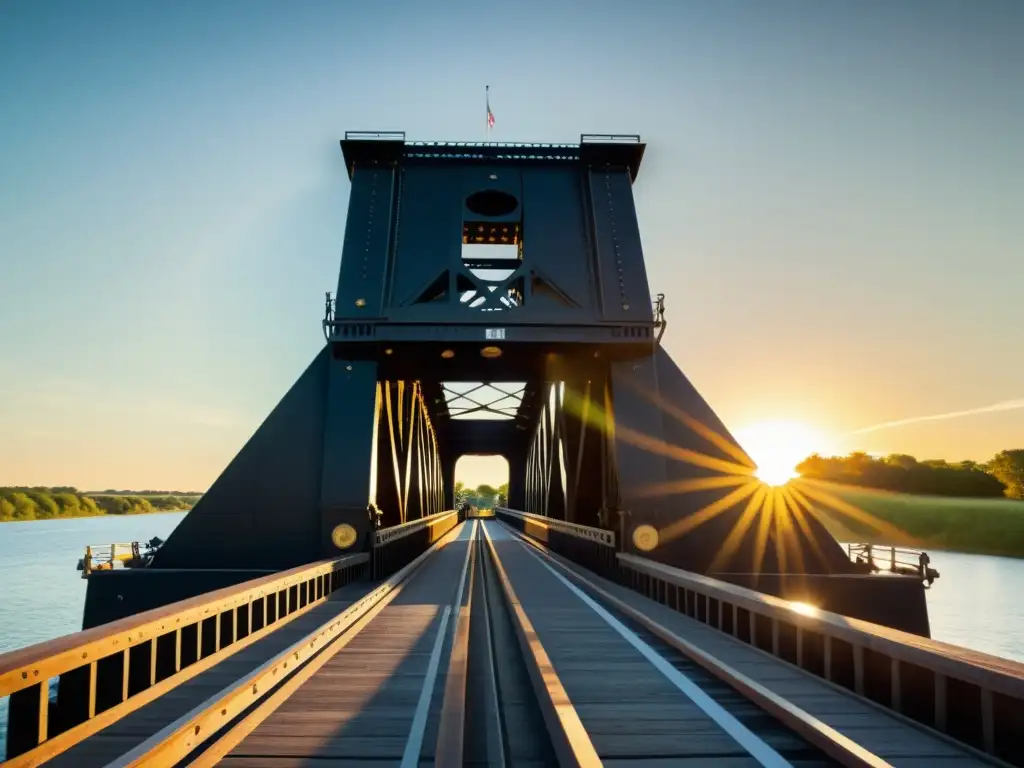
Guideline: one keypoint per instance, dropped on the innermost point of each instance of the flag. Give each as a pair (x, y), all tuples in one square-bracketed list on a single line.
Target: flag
[(490, 115)]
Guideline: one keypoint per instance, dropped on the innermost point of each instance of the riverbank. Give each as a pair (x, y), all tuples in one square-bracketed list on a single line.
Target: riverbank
[(26, 504), (974, 526)]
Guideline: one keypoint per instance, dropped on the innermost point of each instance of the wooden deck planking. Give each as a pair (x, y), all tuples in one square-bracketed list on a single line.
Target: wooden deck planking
[(359, 708), (890, 737), (136, 727), (614, 689)]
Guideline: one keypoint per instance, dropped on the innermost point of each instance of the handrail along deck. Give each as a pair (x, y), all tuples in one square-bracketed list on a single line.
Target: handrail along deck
[(970, 696), (398, 545), (591, 547), (388, 535), (232, 713), (111, 670)]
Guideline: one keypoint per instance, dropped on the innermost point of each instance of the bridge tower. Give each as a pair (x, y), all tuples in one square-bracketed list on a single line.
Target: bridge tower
[(518, 267)]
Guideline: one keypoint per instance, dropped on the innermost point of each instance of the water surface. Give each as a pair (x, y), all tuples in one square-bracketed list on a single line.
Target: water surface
[(42, 594)]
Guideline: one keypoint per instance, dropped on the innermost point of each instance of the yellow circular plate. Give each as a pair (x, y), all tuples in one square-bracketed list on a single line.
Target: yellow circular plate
[(344, 536), (645, 537)]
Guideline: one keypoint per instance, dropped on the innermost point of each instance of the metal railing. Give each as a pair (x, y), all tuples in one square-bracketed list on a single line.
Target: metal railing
[(374, 135), (497, 144), (111, 670), (906, 562), (103, 557), (585, 138), (593, 548), (973, 697), (609, 138), (494, 152), (399, 545)]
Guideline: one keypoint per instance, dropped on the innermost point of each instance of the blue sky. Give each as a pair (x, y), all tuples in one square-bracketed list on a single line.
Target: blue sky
[(832, 200)]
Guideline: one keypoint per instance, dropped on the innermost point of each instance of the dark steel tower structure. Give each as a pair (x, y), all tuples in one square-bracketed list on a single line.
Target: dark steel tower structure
[(493, 299)]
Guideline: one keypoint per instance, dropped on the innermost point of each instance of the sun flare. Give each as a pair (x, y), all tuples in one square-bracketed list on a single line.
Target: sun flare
[(777, 447)]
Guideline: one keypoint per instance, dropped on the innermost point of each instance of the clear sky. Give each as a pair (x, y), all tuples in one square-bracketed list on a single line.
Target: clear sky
[(832, 201)]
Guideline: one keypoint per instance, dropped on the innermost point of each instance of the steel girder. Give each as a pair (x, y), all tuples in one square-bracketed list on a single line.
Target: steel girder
[(409, 479)]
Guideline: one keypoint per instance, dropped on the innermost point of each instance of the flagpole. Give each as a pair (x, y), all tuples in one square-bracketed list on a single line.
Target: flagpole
[(487, 116)]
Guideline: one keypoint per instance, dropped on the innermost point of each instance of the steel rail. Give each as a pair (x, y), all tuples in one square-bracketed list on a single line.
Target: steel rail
[(569, 737), (451, 726)]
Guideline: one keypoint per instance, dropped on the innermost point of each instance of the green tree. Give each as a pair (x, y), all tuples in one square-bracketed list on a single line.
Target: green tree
[(503, 495), (485, 494), (1008, 468), (46, 507), (901, 460), (905, 474), (24, 506), (68, 504), (40, 503)]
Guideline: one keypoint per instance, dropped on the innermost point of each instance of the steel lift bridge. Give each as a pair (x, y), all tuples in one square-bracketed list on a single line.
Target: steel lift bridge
[(643, 598), (492, 299)]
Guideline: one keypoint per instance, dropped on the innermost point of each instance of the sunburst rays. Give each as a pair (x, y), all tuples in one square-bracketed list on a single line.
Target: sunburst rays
[(780, 527)]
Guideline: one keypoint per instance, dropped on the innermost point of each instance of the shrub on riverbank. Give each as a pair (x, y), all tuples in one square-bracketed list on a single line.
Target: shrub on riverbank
[(49, 503), (978, 526)]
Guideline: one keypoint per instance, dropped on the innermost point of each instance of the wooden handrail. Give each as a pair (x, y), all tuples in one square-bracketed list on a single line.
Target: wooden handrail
[(387, 535), (28, 666), (597, 535), (982, 669), (258, 693)]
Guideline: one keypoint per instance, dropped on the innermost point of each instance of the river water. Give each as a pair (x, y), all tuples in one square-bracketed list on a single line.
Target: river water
[(976, 602)]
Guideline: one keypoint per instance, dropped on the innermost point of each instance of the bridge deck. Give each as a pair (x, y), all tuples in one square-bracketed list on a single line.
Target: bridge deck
[(889, 736), (631, 710), (376, 696), (125, 734), (381, 693)]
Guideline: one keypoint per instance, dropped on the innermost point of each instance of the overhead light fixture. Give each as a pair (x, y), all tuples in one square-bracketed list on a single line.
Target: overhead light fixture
[(490, 352), (448, 354)]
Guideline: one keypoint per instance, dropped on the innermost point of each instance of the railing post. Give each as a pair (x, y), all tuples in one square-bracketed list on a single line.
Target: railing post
[(940, 702), (28, 718), (895, 686)]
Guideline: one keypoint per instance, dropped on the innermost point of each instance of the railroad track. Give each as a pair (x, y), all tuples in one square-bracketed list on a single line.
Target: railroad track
[(489, 651), (756, 737)]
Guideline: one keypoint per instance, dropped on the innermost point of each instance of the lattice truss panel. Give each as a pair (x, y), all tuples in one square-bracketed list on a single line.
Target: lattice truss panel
[(494, 401)]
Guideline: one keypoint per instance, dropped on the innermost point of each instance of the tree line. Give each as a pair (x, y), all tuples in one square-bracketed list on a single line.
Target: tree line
[(113, 492), (42, 503), (483, 496), (1003, 475)]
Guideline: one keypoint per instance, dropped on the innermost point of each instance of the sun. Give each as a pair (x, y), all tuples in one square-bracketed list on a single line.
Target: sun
[(777, 447)]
